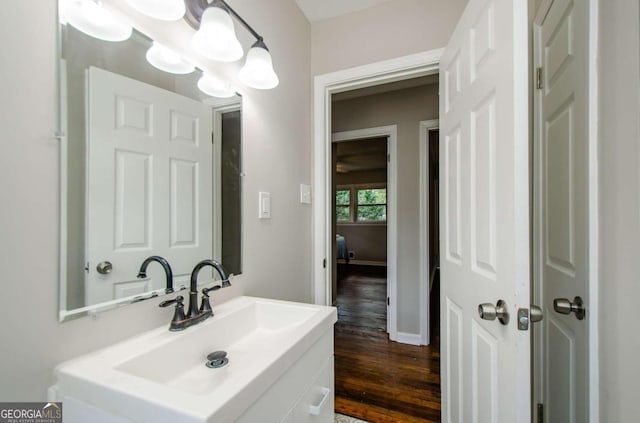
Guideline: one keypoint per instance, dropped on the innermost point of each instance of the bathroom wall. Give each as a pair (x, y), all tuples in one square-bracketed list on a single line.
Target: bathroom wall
[(391, 29), (619, 171), (277, 153), (405, 108)]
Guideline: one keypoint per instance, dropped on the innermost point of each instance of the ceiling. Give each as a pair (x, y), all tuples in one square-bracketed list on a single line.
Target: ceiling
[(361, 155), (317, 10)]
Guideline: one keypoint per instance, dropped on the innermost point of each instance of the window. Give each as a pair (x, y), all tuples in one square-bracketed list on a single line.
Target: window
[(343, 205), (361, 204), (372, 205)]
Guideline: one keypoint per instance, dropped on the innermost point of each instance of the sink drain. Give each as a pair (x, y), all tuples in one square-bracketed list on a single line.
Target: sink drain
[(217, 359)]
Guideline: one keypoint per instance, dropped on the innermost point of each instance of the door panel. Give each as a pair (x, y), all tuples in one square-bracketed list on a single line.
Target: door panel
[(561, 209), (485, 213), (149, 184)]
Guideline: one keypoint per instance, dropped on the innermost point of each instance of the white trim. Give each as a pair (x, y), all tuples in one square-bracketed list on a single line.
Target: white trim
[(594, 215), (220, 103), (409, 338), (406, 67), (219, 107), (64, 187), (391, 132), (425, 294)]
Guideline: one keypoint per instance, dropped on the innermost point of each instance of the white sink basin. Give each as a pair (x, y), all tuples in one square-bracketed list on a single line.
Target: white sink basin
[(161, 375)]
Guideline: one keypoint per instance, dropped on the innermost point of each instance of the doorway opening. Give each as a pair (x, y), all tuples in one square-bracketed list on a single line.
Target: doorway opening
[(381, 264)]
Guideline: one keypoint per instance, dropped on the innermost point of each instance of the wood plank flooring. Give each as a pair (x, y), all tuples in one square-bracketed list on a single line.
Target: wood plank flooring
[(378, 380)]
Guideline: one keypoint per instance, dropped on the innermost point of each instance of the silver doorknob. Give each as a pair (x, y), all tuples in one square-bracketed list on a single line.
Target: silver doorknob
[(488, 311), (564, 306), (104, 267)]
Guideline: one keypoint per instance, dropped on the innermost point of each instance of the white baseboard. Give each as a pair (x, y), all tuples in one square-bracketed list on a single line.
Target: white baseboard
[(408, 338)]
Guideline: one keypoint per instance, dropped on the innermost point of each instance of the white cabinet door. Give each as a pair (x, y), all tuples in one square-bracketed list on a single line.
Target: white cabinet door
[(484, 165), (149, 183), (561, 176)]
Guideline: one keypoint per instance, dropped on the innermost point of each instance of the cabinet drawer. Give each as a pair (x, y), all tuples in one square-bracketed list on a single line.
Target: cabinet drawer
[(282, 396), (317, 404)]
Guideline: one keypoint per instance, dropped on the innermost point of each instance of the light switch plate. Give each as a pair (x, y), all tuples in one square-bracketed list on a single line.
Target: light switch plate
[(264, 205), (305, 194)]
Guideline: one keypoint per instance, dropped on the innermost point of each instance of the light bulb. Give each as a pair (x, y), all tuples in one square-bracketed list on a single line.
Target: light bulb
[(92, 18), (216, 39), (165, 10), (167, 60), (257, 71)]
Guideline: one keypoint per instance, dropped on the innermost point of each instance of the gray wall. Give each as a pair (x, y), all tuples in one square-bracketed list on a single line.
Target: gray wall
[(277, 152), (405, 108), (391, 29), (619, 163)]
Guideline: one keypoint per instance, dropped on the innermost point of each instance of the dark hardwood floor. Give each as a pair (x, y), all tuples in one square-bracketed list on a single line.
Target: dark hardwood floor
[(378, 380)]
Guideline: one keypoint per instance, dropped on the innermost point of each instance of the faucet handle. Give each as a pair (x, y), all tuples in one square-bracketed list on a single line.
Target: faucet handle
[(206, 291), (177, 322), (177, 301), (205, 305)]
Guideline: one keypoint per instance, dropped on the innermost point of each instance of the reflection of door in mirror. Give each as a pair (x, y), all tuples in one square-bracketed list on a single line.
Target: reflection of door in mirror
[(149, 189), (231, 189)]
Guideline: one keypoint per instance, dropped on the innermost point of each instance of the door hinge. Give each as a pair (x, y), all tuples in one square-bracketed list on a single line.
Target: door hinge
[(388, 158), (388, 301), (539, 78), (324, 263), (540, 413)]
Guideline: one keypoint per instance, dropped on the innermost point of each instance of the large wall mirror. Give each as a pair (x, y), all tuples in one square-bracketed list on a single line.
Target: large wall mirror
[(150, 165)]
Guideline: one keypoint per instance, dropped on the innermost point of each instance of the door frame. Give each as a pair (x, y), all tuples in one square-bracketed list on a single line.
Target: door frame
[(426, 126), (593, 311), (391, 132), (406, 67), (218, 108)]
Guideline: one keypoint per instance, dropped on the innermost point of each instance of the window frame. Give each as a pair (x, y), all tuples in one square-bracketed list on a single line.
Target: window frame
[(353, 204)]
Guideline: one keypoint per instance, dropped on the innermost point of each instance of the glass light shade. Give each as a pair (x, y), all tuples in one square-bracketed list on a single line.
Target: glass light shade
[(167, 60), (257, 71), (165, 10), (216, 38), (92, 18), (215, 87)]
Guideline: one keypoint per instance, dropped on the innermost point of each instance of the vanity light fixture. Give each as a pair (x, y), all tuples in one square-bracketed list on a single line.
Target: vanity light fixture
[(164, 10), (92, 18), (167, 60), (215, 38), (215, 86)]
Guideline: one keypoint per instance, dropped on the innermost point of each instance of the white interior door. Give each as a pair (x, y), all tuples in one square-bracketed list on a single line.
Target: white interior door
[(484, 174), (561, 210), (149, 184)]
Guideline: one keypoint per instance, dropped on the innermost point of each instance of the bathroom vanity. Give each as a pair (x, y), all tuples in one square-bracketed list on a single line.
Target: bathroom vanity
[(280, 369)]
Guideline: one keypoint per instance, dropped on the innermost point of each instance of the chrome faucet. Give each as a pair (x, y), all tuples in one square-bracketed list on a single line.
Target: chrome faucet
[(180, 320), (142, 273)]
